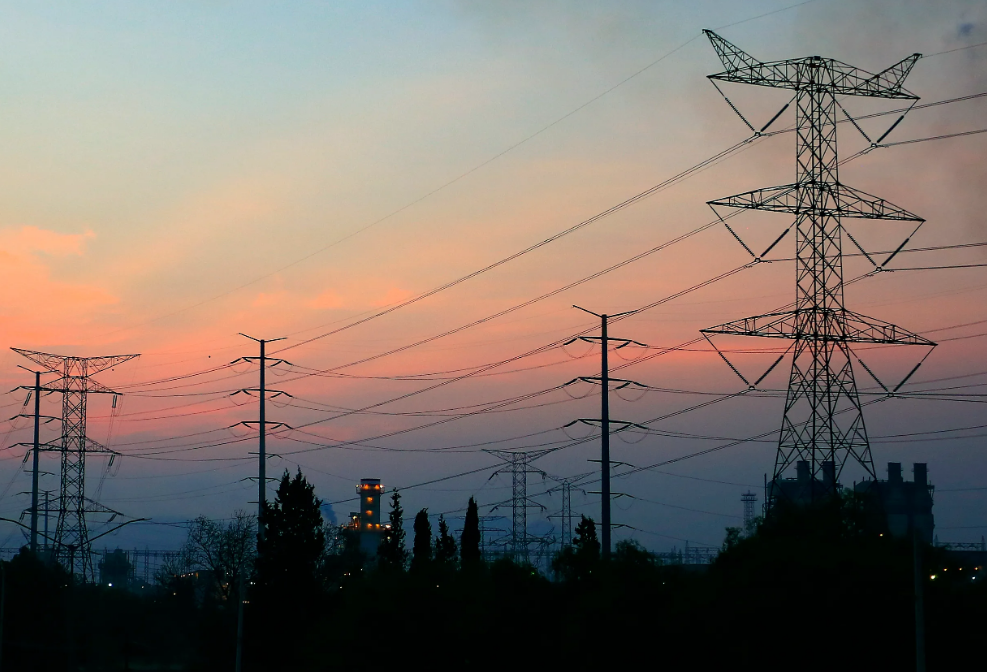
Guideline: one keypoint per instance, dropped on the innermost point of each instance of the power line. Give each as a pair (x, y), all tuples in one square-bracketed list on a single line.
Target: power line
[(454, 180)]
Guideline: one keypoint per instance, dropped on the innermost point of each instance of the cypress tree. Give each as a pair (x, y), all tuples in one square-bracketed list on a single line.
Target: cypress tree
[(469, 546), (445, 546), (421, 550), (391, 552)]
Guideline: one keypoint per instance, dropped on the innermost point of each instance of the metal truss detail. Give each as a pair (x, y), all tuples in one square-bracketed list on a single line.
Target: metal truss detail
[(822, 325), (802, 73), (818, 200), (71, 541), (822, 421)]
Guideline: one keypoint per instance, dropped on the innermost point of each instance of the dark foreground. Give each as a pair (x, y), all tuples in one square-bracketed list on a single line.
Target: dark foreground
[(810, 592)]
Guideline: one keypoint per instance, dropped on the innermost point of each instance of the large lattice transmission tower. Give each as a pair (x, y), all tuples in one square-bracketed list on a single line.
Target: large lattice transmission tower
[(71, 541), (823, 422)]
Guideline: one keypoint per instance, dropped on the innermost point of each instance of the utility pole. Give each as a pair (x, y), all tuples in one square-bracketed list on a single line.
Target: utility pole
[(919, 601), (823, 421), (262, 422), (239, 624), (34, 467), (604, 421), (36, 448), (47, 505)]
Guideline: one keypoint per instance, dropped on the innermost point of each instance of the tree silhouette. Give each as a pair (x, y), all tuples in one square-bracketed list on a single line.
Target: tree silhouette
[(577, 562), (445, 546), (469, 548), (226, 552), (291, 550), (288, 578), (586, 544), (391, 553), (421, 551)]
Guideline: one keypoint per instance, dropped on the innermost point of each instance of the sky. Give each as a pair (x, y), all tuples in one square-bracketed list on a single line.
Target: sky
[(175, 174)]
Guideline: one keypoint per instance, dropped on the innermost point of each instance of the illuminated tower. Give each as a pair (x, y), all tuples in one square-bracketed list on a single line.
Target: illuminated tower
[(366, 521)]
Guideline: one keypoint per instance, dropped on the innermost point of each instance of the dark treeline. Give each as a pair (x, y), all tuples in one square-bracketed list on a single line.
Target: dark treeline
[(811, 589)]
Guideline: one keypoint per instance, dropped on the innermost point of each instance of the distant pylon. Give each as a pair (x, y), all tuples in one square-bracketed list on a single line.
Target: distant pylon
[(71, 542), (749, 499), (823, 420), (519, 463), (566, 513)]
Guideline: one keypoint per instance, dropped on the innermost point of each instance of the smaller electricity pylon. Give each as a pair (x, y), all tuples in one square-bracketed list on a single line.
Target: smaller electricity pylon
[(262, 422), (519, 466), (604, 421), (75, 384), (564, 514), (750, 523)]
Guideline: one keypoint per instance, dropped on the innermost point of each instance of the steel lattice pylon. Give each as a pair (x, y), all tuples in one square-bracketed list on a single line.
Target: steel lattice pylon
[(823, 420), (519, 463), (566, 513), (71, 541), (749, 499)]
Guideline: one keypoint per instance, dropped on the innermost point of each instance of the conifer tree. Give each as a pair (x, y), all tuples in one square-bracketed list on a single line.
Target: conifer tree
[(586, 544), (421, 550), (577, 562), (290, 552), (469, 548), (288, 586), (445, 546), (391, 553)]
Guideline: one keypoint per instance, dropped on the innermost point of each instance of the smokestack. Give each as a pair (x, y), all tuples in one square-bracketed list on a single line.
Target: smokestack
[(802, 472), (829, 475), (920, 474), (894, 472)]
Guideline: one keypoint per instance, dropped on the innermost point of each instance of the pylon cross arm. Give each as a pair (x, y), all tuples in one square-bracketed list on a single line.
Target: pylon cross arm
[(844, 326), (821, 200), (844, 80)]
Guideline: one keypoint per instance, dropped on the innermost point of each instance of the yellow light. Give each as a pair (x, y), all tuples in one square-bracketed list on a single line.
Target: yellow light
[(933, 577)]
